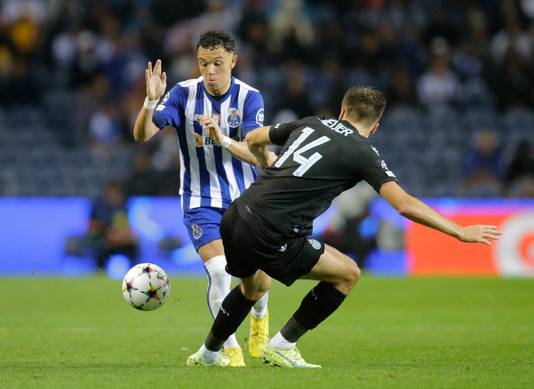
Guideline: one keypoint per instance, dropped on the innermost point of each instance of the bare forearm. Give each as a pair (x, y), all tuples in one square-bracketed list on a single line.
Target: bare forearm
[(421, 213), (242, 152), (144, 129), (260, 153)]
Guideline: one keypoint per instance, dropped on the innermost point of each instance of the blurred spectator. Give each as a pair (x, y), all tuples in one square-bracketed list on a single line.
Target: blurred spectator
[(72, 71), (109, 229), (513, 81), (295, 96), (519, 176), (483, 170), (438, 86), (105, 129), (143, 181), (291, 30), (511, 37)]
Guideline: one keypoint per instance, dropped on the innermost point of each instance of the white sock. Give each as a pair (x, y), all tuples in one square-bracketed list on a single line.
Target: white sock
[(218, 287), (207, 355), (260, 308), (278, 341)]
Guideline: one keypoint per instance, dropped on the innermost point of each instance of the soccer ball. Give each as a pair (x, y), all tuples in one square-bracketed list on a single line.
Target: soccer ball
[(146, 287)]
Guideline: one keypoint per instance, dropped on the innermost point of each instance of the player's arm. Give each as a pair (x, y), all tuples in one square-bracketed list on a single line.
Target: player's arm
[(156, 83), (256, 141), (236, 148), (417, 211)]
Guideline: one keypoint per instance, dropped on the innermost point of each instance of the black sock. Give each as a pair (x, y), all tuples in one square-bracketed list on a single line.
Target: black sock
[(316, 306), (293, 330), (234, 309)]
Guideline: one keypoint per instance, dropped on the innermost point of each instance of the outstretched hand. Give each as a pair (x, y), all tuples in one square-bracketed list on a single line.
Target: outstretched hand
[(156, 81), (479, 234)]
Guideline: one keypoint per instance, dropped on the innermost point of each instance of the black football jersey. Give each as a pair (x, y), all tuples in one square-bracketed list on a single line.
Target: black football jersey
[(320, 159)]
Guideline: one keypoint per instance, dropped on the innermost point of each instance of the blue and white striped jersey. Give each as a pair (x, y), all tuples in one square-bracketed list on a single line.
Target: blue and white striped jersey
[(210, 176)]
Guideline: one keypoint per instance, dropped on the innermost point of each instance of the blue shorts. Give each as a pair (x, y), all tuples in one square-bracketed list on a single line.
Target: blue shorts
[(202, 225)]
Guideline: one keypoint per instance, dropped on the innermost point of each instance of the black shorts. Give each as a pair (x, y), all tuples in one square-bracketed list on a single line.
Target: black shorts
[(250, 244)]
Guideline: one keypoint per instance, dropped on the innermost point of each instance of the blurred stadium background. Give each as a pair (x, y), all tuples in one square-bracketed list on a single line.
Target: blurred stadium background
[(458, 129)]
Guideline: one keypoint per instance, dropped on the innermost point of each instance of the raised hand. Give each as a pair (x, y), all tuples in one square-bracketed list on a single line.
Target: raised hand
[(480, 234), (156, 81)]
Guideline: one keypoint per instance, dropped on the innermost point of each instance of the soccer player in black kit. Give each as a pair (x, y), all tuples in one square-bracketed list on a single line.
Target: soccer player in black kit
[(266, 232)]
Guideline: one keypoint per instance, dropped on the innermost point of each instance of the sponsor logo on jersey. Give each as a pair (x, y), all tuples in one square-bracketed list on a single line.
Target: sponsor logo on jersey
[(283, 248), (197, 231), (201, 141), (260, 117), (315, 244), (233, 119)]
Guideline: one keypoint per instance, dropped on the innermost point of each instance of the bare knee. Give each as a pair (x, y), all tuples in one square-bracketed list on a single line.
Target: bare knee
[(253, 294), (255, 290), (349, 277)]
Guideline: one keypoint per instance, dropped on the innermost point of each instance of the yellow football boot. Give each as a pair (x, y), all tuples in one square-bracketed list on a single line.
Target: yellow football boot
[(197, 360), (289, 357), (235, 354), (259, 335)]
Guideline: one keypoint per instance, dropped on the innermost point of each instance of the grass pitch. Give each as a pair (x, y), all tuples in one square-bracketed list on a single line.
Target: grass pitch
[(390, 333)]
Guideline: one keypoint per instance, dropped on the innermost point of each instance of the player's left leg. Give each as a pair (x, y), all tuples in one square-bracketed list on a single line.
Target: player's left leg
[(338, 275), (233, 311)]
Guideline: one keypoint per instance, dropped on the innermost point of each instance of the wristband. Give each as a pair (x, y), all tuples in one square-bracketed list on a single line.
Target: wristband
[(150, 104), (226, 142)]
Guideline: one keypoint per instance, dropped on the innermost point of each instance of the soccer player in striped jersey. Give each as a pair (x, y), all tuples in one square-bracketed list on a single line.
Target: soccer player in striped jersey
[(211, 116)]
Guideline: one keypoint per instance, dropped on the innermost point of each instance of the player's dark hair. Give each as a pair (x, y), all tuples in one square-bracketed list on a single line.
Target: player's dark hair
[(213, 39), (364, 104)]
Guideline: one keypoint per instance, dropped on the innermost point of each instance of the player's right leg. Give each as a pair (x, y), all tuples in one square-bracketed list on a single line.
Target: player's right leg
[(203, 227), (237, 236), (219, 282), (338, 275)]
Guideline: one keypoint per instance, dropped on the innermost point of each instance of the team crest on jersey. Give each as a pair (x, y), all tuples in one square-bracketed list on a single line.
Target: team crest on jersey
[(197, 231), (233, 119), (315, 244)]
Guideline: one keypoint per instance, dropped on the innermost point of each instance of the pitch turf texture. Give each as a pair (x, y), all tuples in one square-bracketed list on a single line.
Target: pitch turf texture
[(390, 333)]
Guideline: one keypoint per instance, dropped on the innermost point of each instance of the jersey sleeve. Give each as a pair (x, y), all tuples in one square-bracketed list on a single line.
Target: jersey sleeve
[(279, 133), (374, 170), (253, 112), (169, 111)]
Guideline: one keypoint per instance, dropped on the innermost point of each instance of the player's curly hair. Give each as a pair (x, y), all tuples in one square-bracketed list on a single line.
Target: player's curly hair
[(364, 103), (214, 39)]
